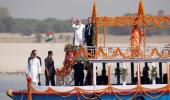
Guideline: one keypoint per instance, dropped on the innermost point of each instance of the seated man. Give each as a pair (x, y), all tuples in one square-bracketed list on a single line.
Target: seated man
[(102, 79), (145, 78), (136, 78), (165, 78)]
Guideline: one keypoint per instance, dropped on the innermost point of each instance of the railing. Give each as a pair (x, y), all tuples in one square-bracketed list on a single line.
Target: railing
[(125, 52), (115, 53)]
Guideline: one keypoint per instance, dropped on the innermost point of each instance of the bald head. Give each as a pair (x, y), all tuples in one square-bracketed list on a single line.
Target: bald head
[(78, 21)]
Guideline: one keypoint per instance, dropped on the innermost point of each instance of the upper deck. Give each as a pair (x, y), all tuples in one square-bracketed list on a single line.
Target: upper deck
[(123, 53)]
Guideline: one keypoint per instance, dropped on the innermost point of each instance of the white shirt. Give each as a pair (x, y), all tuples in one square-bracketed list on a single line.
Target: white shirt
[(78, 34), (33, 69)]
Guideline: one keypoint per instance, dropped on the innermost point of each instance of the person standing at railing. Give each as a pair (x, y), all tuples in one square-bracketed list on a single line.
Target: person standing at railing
[(78, 73), (89, 33), (78, 38)]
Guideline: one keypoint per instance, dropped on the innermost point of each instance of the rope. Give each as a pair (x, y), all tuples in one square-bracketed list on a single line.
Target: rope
[(153, 97)]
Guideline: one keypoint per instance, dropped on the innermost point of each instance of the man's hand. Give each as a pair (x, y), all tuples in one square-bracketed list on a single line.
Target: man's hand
[(85, 43), (48, 74)]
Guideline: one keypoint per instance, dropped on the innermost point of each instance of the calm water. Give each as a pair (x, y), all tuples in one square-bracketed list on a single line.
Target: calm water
[(18, 82), (13, 82)]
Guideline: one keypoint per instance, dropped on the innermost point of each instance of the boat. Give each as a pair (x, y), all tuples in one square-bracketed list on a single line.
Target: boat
[(138, 52)]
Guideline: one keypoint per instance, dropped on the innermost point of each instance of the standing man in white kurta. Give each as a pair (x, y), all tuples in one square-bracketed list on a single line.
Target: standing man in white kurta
[(33, 68), (79, 29)]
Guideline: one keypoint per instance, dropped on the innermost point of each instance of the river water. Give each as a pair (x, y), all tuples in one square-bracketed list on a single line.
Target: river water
[(13, 82)]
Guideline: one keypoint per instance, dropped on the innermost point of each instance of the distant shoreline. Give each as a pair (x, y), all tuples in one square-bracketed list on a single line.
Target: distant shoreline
[(15, 73), (12, 73), (68, 38)]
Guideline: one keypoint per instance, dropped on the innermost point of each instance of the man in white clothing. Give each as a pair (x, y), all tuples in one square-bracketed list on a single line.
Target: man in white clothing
[(33, 68), (79, 29)]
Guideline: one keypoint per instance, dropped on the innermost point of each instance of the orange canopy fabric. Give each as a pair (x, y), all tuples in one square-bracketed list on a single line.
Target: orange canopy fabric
[(141, 10)]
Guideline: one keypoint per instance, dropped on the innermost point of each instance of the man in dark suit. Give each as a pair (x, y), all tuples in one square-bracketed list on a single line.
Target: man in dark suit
[(89, 37), (78, 73), (89, 32)]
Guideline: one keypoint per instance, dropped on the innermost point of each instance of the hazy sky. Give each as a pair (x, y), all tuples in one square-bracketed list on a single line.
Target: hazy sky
[(65, 9)]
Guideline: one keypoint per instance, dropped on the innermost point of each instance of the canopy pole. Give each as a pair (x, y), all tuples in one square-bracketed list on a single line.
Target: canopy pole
[(118, 73), (109, 74), (138, 71), (168, 73), (94, 75), (132, 72), (104, 32), (160, 71), (29, 86)]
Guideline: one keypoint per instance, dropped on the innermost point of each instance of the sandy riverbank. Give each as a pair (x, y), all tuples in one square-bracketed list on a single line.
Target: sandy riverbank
[(13, 55)]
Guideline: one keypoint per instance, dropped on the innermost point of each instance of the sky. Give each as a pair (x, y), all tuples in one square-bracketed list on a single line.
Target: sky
[(66, 9)]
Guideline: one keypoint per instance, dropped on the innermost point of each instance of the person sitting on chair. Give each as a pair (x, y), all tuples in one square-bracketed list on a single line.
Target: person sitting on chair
[(165, 78), (136, 78), (103, 79)]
